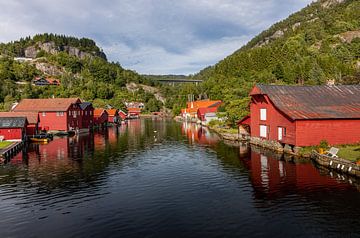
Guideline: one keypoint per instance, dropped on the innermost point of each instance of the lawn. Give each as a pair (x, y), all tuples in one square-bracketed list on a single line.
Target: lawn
[(4, 144), (349, 152)]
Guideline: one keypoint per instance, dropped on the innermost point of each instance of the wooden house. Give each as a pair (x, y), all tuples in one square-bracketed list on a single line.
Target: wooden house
[(100, 117), (56, 114), (41, 81), (13, 128), (133, 112), (305, 115), (87, 115), (191, 110), (32, 128), (122, 115), (113, 115)]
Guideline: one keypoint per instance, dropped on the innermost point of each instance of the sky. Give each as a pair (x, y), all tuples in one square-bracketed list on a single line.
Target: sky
[(150, 36)]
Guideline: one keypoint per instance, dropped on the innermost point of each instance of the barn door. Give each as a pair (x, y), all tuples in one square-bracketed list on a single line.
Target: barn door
[(280, 133)]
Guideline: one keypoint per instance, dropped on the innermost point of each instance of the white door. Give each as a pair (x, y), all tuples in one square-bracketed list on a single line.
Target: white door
[(280, 133)]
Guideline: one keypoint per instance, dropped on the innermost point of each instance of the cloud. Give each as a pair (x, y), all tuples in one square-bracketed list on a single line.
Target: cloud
[(150, 36)]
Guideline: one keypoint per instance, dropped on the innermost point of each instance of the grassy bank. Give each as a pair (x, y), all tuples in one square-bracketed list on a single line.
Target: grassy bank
[(4, 144), (348, 152)]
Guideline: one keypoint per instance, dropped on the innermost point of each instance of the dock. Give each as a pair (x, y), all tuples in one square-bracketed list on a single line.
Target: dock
[(10, 151)]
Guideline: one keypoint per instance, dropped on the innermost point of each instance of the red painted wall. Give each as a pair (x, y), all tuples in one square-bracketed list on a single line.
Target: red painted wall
[(102, 119), (61, 121), (274, 119), (311, 132), (12, 133), (31, 129), (87, 117)]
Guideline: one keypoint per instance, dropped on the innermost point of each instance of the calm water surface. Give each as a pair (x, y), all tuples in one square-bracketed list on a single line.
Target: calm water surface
[(156, 178)]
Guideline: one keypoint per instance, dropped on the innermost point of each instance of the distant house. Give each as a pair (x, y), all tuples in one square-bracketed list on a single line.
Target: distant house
[(40, 81), (87, 115), (305, 115), (33, 119), (135, 105), (56, 114), (113, 115), (191, 110), (201, 112), (13, 128), (134, 112), (122, 115), (100, 117)]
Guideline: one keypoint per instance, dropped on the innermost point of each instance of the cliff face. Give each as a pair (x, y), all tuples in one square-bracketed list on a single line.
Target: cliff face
[(51, 48)]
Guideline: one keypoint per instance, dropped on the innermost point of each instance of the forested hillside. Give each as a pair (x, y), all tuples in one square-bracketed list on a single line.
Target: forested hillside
[(320, 43), (80, 65)]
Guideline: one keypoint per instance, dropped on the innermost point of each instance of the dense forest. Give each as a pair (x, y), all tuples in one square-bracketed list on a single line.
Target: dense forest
[(313, 46), (91, 77)]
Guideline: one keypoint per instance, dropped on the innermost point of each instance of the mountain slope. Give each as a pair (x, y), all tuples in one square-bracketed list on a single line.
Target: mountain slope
[(318, 44), (80, 65)]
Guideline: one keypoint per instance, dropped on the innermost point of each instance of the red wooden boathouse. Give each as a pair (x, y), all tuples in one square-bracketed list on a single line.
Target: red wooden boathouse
[(56, 114), (100, 117), (305, 115), (13, 128), (32, 128), (87, 115)]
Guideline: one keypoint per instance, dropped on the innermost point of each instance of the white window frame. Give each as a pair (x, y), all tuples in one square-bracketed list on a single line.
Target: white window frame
[(43, 114), (263, 131), (263, 114), (280, 133)]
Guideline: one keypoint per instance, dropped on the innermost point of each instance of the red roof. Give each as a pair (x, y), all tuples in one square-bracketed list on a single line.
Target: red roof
[(313, 102), (99, 111), (45, 105), (32, 117), (112, 112), (134, 109)]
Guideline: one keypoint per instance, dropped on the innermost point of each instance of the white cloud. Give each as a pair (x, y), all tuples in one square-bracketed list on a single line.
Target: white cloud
[(150, 36)]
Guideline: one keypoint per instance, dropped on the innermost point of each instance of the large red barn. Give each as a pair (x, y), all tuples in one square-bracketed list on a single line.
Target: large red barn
[(305, 115), (56, 114)]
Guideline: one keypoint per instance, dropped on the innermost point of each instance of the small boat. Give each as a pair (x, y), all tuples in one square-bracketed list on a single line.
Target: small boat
[(34, 139)]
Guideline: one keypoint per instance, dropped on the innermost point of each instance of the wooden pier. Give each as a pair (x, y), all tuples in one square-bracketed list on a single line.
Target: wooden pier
[(10, 151)]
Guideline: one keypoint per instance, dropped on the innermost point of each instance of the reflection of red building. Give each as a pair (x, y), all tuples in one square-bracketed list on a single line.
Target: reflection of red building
[(198, 134), (273, 177)]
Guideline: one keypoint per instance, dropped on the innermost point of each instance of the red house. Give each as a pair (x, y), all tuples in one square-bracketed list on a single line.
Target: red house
[(40, 81), (305, 115), (113, 115), (100, 117), (56, 114), (13, 128), (122, 115), (87, 115), (202, 111), (134, 112), (32, 127)]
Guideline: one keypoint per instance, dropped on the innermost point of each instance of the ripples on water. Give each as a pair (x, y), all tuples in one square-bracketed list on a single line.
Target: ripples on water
[(164, 179)]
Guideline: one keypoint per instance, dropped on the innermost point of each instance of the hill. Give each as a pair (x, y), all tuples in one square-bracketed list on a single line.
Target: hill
[(79, 64), (317, 45)]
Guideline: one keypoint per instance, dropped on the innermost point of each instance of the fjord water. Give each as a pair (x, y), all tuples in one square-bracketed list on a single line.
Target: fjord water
[(156, 178)]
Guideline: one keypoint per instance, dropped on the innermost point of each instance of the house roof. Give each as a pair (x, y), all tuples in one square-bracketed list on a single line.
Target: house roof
[(203, 110), (204, 103), (246, 120), (12, 122), (131, 109), (84, 105), (48, 105), (314, 102), (122, 112), (112, 112), (99, 111), (32, 117)]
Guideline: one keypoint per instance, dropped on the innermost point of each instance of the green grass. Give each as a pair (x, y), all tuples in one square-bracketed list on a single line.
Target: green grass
[(4, 144), (349, 152)]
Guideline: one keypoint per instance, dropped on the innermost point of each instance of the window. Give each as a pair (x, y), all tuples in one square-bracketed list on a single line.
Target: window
[(43, 114), (263, 131), (263, 114), (85, 113)]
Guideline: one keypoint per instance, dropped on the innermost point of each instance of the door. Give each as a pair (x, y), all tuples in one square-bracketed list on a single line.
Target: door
[(280, 133)]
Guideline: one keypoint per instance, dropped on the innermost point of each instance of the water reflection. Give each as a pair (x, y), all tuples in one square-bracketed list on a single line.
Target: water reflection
[(156, 178)]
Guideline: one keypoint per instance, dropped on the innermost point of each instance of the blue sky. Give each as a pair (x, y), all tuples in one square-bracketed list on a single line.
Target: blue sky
[(150, 36)]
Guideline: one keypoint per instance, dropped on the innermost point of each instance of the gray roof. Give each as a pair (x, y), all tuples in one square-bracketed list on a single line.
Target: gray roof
[(12, 122), (84, 105), (314, 102)]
